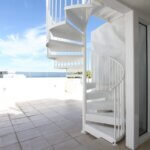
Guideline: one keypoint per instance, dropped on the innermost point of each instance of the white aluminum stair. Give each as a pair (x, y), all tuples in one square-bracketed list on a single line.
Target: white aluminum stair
[(90, 85), (69, 67), (63, 46), (66, 31), (79, 15), (75, 68), (66, 46), (66, 58), (96, 94), (102, 131), (103, 118), (100, 105)]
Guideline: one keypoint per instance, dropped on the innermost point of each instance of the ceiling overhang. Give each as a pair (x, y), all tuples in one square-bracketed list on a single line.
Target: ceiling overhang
[(142, 6)]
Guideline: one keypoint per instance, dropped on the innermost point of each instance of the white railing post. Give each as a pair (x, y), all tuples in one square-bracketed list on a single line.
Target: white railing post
[(56, 10), (52, 9), (65, 3), (84, 106), (84, 1), (122, 109), (119, 103), (71, 2), (114, 114), (60, 11), (123, 95), (47, 14)]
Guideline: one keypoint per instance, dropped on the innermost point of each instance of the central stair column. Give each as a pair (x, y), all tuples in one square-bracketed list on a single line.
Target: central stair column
[(84, 106)]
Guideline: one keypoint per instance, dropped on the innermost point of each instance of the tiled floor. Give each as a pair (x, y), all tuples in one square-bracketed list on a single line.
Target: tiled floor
[(49, 125)]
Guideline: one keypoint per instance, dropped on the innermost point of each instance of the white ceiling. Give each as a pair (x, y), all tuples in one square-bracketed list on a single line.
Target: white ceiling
[(141, 5)]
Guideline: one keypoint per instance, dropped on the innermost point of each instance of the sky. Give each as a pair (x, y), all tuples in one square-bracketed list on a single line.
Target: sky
[(23, 35)]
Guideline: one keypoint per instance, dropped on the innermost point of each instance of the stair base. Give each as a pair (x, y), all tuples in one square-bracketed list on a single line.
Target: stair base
[(101, 131)]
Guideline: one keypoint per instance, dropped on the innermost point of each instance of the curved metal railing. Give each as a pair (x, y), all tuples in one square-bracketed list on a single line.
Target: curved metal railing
[(56, 9), (109, 75)]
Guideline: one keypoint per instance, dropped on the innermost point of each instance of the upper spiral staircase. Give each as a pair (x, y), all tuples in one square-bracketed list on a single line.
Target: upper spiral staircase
[(103, 102)]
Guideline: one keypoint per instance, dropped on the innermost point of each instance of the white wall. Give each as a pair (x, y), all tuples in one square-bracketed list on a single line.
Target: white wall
[(18, 90), (109, 39), (132, 82)]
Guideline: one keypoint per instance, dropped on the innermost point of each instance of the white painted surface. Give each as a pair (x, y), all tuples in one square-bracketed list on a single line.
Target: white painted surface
[(116, 5), (18, 90), (84, 105), (91, 85), (79, 15), (132, 82), (63, 46), (114, 32), (108, 74), (132, 79), (101, 131), (96, 94), (100, 105), (66, 31), (139, 5), (67, 58), (105, 118)]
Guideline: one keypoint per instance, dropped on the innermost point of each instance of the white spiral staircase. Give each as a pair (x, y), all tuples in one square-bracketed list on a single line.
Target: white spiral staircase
[(105, 108), (103, 102)]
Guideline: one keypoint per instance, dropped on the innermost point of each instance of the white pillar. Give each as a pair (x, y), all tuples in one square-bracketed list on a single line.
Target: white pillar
[(132, 82)]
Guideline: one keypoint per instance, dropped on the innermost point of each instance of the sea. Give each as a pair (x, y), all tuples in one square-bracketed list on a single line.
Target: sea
[(43, 74)]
